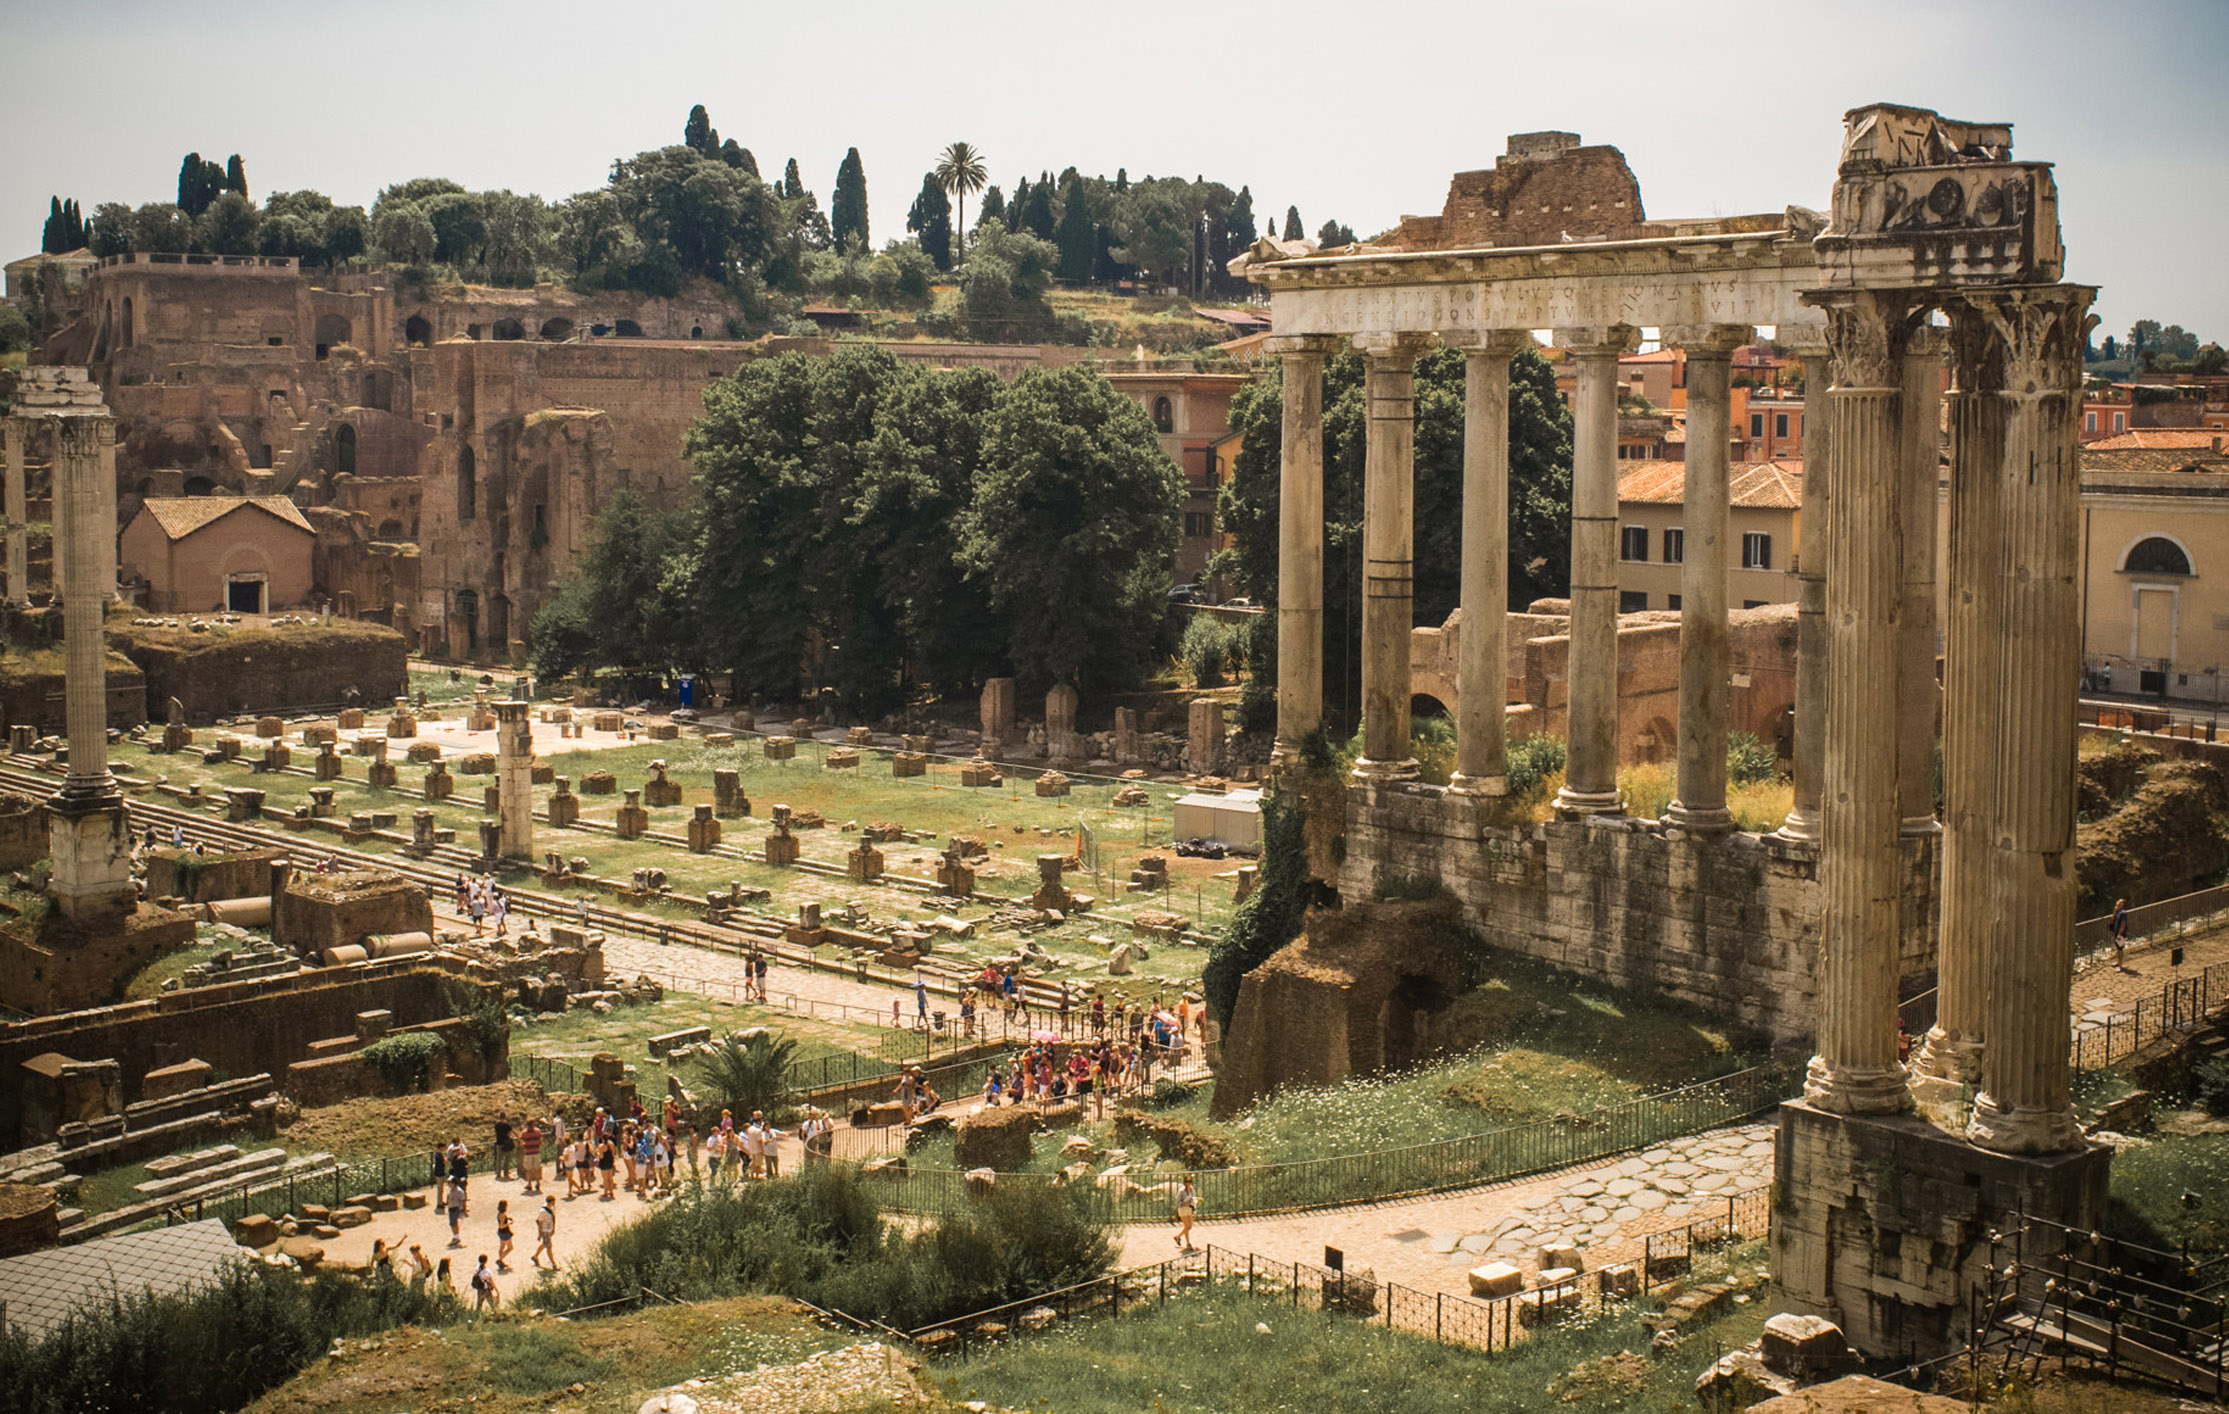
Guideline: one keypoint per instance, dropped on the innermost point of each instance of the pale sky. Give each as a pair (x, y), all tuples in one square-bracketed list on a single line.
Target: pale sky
[(1357, 110)]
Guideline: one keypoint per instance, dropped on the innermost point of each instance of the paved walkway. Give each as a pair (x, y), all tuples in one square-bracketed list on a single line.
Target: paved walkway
[(1606, 1208), (2102, 990)]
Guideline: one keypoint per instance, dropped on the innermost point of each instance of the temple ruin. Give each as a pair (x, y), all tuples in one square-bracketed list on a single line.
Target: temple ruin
[(1890, 1178)]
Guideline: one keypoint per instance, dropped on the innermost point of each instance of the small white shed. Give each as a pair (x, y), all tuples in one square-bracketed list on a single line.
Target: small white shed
[(1234, 820)]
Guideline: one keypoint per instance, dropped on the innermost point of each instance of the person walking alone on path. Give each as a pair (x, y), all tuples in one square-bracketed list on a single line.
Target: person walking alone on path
[(503, 1235), (1187, 1207), (456, 1213), (530, 1157), (921, 998), (484, 1295), (545, 1233), (502, 1144), (2120, 935)]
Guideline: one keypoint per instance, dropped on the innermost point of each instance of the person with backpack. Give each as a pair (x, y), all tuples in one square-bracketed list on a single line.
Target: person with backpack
[(484, 1295)]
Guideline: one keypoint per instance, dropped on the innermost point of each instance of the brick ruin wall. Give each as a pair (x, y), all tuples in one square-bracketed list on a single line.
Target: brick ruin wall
[(266, 670), (240, 1028), (1731, 925)]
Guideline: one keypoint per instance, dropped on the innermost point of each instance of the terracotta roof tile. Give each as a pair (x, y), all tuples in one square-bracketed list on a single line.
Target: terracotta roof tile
[(181, 516), (1760, 486), (2156, 439)]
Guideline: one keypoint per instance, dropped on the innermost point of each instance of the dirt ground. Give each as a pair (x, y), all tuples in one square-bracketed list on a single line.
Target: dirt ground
[(412, 1124)]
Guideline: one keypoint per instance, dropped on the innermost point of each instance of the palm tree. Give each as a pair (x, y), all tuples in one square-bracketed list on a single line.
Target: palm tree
[(751, 1074), (959, 170)]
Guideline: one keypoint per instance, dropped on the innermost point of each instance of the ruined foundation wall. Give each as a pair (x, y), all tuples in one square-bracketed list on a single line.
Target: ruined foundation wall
[(1731, 924)]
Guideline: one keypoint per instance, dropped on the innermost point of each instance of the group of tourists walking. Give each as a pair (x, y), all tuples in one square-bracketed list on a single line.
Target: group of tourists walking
[(480, 900)]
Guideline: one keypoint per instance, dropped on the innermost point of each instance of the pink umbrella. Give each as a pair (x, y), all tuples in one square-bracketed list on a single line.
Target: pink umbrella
[(1043, 1035)]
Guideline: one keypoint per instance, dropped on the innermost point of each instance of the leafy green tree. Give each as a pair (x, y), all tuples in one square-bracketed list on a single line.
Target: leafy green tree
[(402, 232), (593, 238), (227, 226), (1539, 495), (713, 218), (515, 237), (2212, 360), (993, 208), (915, 271), (931, 220), (624, 605), (847, 208), (1294, 231), (697, 134), (347, 234), (959, 170), (738, 156), (1077, 235), (236, 175), (112, 228), (460, 227), (1003, 284), (1155, 227), (161, 227), (1074, 521), (418, 189), (1334, 233), (15, 330)]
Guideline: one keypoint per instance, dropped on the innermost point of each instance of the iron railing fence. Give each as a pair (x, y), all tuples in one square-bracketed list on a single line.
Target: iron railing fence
[(2183, 1005), (1462, 1162)]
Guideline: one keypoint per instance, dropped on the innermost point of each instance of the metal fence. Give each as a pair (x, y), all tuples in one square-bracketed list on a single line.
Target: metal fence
[(1485, 1325), (2183, 1005), (2149, 919), (1421, 1168), (332, 1187)]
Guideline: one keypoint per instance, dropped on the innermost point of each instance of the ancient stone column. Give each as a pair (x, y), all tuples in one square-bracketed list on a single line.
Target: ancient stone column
[(1856, 1068), (1811, 599), (2024, 1106), (1706, 661), (1948, 1065), (1482, 672), (514, 777), (17, 430), (106, 453), (87, 832), (1590, 772), (1921, 490), (1300, 544), (1388, 551)]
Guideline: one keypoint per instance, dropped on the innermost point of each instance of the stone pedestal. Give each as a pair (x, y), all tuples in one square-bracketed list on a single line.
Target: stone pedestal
[(781, 846), (327, 766), (404, 723), (380, 774), (421, 834), (841, 758), (491, 800), (598, 783), (242, 803), (1061, 741), (781, 748), (1052, 784), (177, 736), (863, 865), (631, 821), (1204, 742), (954, 875), (703, 830), (440, 785), (491, 842), (659, 791), (1882, 1222), (998, 713), (514, 778), (351, 719), (92, 854), (273, 727), (564, 806), (277, 756), (728, 800), (1051, 893), (1129, 742), (909, 763), (321, 802), (859, 736), (979, 773)]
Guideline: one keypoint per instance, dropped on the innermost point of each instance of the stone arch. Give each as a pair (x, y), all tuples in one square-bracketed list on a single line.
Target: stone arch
[(627, 329), (508, 330), (1424, 704), (389, 530), (124, 339), (418, 330), (556, 329), (1164, 415), (499, 622), (199, 486), (468, 484), (344, 449), (1659, 741), (468, 622), (696, 331), (332, 330), (2158, 553)]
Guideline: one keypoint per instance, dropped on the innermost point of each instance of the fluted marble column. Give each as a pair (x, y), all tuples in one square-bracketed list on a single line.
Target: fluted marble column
[(1706, 663), (105, 457), (1948, 1065), (514, 779), (1590, 772), (1300, 544), (2024, 1105), (1856, 1069), (1921, 489), (1388, 554), (1482, 672), (17, 430), (1811, 598)]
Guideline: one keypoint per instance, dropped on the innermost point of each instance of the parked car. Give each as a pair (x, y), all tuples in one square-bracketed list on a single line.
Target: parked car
[(1241, 603), (1187, 594)]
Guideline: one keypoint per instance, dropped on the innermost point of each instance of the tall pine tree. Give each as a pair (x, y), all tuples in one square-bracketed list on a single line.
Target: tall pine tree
[(1294, 231), (50, 238), (931, 220), (1035, 214), (847, 209), (1076, 236), (793, 186), (236, 175)]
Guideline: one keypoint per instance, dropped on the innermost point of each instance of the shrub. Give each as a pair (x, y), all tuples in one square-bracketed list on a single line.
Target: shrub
[(2209, 1085), (486, 1017), (1271, 915), (1257, 706), (1168, 1093), (405, 1059), (752, 1074), (1748, 760), (1205, 649), (1532, 760)]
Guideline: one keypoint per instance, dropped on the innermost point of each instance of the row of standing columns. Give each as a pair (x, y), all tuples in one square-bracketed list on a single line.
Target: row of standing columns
[(16, 433), (1866, 691)]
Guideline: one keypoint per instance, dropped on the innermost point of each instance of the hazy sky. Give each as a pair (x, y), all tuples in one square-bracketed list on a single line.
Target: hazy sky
[(1357, 110)]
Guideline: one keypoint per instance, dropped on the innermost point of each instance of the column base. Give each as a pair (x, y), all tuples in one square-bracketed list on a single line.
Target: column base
[(92, 853), (2022, 1131), (1944, 1074), (1460, 784), (1700, 820), (1800, 827), (1856, 1090), (1571, 803), (1402, 770)]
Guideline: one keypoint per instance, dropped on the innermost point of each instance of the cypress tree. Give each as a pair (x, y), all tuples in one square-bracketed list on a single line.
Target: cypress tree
[(793, 186), (74, 220), (1293, 229), (1036, 214), (732, 153), (994, 204), (236, 175), (847, 208), (931, 220), (1079, 250), (52, 234), (697, 134)]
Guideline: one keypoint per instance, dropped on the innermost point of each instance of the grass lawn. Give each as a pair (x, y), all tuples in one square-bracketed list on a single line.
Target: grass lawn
[(2149, 1181), (526, 1365), (1220, 1351)]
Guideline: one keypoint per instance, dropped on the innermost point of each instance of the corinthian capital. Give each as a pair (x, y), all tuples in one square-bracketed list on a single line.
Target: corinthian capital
[(2037, 334), (1865, 332)]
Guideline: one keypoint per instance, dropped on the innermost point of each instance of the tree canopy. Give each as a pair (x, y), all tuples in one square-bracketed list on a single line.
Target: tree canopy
[(1539, 498)]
